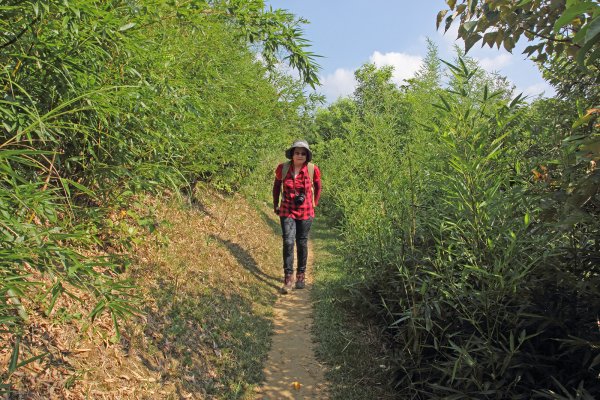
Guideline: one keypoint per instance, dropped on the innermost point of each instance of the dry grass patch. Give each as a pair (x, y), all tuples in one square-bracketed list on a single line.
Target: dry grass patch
[(207, 278)]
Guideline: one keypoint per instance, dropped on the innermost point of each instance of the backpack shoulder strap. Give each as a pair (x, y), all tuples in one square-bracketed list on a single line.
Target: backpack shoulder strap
[(311, 172), (286, 168), (284, 171)]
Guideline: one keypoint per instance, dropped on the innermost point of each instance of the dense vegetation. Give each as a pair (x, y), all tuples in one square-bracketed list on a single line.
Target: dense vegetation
[(104, 100), (471, 225), (469, 216)]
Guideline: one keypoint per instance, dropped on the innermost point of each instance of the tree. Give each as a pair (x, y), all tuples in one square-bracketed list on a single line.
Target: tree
[(278, 32), (562, 29), (574, 82), (374, 89), (556, 26), (480, 79), (429, 77), (332, 122)]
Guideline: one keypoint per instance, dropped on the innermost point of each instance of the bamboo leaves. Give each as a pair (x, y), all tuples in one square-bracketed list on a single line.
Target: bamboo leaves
[(453, 244), (100, 104)]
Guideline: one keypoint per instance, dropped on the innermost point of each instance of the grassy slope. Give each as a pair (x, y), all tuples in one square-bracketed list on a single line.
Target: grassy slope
[(208, 280)]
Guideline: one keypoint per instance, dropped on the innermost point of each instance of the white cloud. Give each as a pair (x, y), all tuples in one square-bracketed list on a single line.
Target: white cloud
[(342, 82), (450, 38), (339, 84), (405, 65), (494, 64), (537, 89)]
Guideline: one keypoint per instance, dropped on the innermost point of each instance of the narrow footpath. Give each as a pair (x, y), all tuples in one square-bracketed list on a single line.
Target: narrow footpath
[(292, 371)]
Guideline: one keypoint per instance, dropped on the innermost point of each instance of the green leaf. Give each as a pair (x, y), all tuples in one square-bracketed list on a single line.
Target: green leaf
[(592, 57), (471, 40), (580, 35), (98, 309), (489, 38), (581, 53), (593, 31), (423, 288), (472, 6), (516, 100), (512, 342), (594, 362), (446, 105), (570, 13), (68, 182), (32, 359), (470, 25), (12, 366), (582, 121), (509, 43), (440, 17), (529, 50), (449, 20)]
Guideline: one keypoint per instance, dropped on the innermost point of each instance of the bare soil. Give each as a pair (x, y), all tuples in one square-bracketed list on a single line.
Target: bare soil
[(292, 371)]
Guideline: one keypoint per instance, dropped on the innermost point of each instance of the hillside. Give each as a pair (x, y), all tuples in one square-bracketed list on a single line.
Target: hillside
[(207, 282)]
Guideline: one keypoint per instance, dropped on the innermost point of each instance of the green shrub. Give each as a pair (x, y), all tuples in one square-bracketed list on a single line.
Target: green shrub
[(479, 295)]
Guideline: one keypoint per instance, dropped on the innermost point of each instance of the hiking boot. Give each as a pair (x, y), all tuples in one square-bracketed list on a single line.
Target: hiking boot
[(287, 284), (300, 280)]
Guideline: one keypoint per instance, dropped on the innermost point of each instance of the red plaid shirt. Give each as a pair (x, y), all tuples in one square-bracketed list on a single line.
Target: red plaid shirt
[(292, 187)]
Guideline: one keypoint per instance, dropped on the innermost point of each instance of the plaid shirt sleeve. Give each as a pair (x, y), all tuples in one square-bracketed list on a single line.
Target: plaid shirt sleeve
[(317, 186), (277, 186)]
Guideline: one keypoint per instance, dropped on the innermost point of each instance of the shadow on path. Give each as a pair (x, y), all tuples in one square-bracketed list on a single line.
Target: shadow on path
[(247, 261), (273, 222)]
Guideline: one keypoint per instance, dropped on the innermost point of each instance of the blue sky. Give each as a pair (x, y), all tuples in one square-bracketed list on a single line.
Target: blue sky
[(349, 33)]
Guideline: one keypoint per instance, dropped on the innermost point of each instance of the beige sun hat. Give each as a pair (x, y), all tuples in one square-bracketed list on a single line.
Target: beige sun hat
[(299, 143)]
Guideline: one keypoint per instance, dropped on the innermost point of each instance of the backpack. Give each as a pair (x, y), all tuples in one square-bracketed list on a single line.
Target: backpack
[(311, 174)]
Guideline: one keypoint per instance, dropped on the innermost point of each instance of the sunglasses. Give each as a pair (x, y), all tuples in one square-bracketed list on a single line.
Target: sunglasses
[(299, 153)]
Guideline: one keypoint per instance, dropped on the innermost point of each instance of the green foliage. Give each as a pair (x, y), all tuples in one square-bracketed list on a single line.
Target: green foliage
[(574, 82), (564, 31), (104, 100), (364, 153), (483, 293), (559, 27), (276, 30)]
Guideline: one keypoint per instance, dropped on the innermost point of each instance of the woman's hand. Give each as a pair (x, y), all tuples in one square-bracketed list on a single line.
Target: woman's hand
[(276, 210)]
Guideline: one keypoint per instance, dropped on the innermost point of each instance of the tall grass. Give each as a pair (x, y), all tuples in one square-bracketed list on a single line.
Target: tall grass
[(451, 251), (99, 102)]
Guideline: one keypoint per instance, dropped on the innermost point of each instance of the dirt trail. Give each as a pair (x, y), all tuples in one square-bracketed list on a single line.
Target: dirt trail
[(292, 371)]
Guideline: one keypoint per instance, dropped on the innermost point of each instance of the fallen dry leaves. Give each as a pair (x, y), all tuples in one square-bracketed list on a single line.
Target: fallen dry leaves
[(207, 243)]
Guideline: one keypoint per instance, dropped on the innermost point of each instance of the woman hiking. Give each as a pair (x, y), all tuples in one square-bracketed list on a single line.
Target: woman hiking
[(298, 181)]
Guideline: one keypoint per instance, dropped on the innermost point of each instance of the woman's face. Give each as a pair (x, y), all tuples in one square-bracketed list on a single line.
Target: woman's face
[(299, 155)]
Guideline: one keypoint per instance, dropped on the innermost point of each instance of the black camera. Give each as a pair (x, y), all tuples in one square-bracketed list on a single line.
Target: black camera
[(299, 199)]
